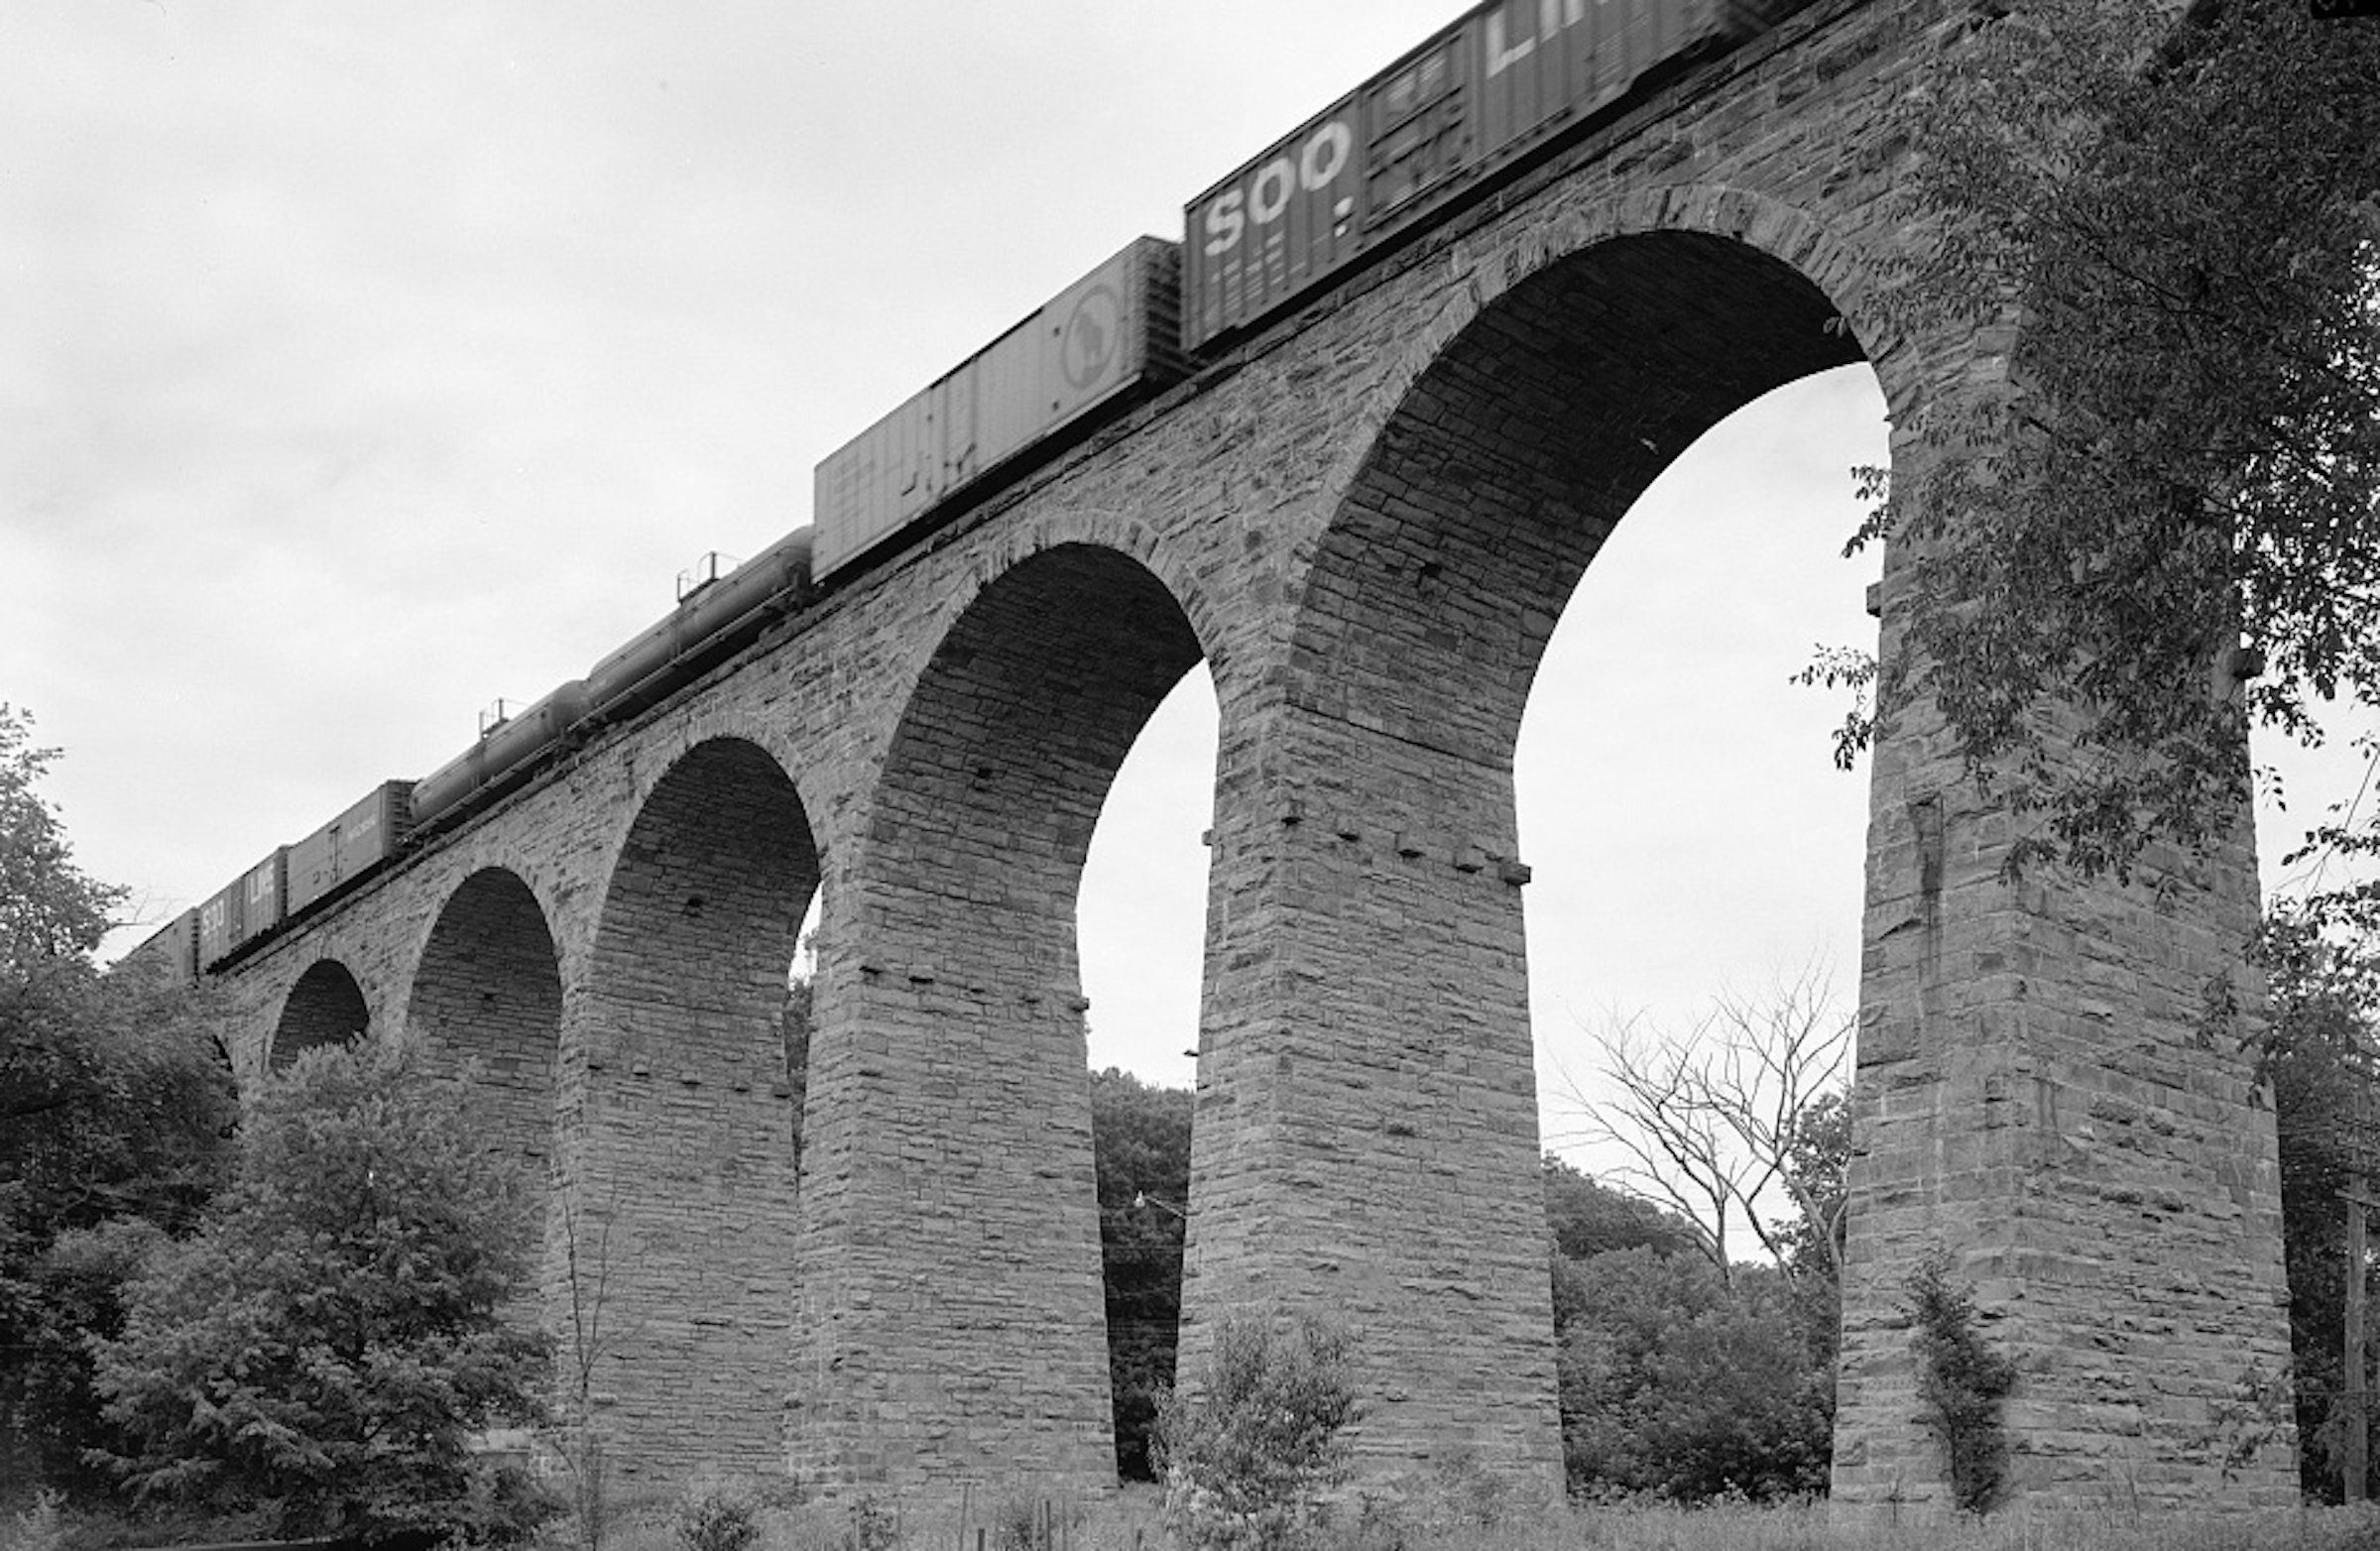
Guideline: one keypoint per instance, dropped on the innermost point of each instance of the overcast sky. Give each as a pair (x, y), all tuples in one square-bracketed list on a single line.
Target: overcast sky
[(361, 364)]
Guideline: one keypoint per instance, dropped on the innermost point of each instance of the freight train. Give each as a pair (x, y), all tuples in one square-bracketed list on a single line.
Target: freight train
[(1486, 96)]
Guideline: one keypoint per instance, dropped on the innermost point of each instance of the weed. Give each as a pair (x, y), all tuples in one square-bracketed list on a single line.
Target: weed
[(1961, 1383), (713, 1515), (1247, 1465), (37, 1526)]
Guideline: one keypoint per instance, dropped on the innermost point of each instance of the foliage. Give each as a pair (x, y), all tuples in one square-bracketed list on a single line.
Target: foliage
[(1679, 1383), (793, 1026), (1245, 1463), (1589, 1218), (1707, 1118), (1961, 1385), (39, 1526), (49, 909), (1456, 1501), (2317, 1053), (875, 1526), (1140, 1136), (1818, 1152), (316, 1359), (713, 1515), (2167, 224), (115, 1109)]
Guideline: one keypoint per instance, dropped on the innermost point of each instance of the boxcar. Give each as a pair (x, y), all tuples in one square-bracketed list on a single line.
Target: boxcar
[(1108, 335), (1478, 97)]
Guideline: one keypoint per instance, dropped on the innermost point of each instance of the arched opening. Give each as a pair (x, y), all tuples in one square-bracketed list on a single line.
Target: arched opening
[(679, 1170), (1140, 917), (966, 1103), (1686, 827), (488, 991), (1379, 1096), (325, 1008)]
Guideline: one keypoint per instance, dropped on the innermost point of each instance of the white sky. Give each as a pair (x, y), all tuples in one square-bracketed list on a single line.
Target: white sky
[(360, 363)]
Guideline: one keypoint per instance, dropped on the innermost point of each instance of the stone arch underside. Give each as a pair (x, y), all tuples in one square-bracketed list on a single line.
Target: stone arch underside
[(1366, 1144), (488, 991), (325, 1008), (678, 1169), (954, 1324)]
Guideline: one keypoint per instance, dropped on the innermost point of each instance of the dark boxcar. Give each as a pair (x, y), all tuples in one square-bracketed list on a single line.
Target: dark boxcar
[(1108, 335), (172, 950), (1474, 98), (349, 846), (219, 924), (1275, 227), (263, 895)]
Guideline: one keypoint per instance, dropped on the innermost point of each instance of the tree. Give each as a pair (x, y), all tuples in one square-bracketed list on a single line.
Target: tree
[(2163, 514), (1140, 1138), (1676, 1382), (51, 910), (2318, 1054), (116, 1106), (1709, 1120), (1588, 1217), (1247, 1462), (316, 1359)]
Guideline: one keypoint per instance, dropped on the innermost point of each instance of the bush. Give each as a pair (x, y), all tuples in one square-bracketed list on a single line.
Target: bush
[(1961, 1383), (319, 1356), (1678, 1385), (1246, 1464), (711, 1515)]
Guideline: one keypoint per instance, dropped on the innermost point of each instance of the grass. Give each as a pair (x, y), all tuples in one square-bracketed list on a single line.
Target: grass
[(1128, 1522)]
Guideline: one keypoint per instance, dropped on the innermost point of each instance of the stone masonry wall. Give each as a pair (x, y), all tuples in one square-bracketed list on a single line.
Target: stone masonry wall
[(679, 1158), (1367, 521)]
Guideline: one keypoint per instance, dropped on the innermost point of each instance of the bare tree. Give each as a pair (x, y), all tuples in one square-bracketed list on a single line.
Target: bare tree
[(1708, 1120), (587, 1270)]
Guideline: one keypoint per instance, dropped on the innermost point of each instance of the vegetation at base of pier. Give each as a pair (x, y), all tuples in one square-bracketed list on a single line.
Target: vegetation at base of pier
[(1418, 1521), (1250, 1459), (2317, 1053), (319, 1356), (1961, 1384)]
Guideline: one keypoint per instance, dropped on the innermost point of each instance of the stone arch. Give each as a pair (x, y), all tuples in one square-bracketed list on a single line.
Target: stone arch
[(325, 1008), (1368, 1140), (1128, 537), (1470, 513), (952, 1094), (488, 988), (679, 1112), (1842, 272), (1015, 729)]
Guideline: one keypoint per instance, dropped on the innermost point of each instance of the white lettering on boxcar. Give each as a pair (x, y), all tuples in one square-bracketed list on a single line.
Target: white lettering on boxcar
[(1325, 155), (1553, 16)]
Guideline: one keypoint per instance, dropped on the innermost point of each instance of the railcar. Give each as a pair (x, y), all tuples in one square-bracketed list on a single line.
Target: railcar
[(1105, 341), (1486, 96)]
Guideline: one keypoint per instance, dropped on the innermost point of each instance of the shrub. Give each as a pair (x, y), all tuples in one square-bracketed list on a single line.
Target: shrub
[(322, 1352), (1244, 1465), (1961, 1383), (710, 1515), (1676, 1384)]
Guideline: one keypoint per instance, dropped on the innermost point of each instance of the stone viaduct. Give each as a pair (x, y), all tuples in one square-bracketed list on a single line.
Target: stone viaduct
[(1365, 522)]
